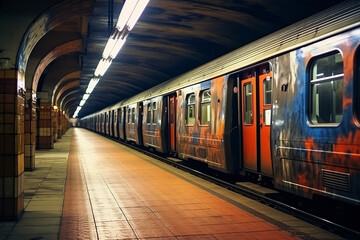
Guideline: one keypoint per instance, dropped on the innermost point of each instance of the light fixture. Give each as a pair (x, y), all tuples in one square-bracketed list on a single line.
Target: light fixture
[(82, 102), (128, 17), (102, 66), (141, 4), (92, 84), (116, 49), (130, 13), (86, 96)]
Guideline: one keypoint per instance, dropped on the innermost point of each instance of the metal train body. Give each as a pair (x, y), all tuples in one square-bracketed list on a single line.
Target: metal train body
[(286, 106)]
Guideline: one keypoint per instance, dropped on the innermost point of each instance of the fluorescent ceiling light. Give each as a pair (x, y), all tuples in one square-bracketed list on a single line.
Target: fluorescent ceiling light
[(130, 13), (125, 13), (136, 13), (101, 68), (120, 42), (82, 102), (86, 96), (128, 17), (92, 85)]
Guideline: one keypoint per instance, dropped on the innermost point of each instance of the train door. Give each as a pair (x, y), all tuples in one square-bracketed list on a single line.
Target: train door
[(256, 119), (249, 123), (172, 122)]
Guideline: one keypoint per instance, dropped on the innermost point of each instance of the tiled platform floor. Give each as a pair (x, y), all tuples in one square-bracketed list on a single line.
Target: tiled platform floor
[(116, 193), (44, 195)]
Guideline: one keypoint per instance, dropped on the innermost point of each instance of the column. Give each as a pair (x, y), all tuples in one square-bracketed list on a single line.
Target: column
[(12, 108), (45, 134)]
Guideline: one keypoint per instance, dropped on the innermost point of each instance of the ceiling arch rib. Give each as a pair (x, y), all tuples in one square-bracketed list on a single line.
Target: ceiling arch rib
[(69, 47), (73, 75), (53, 17), (65, 88), (70, 94), (69, 103)]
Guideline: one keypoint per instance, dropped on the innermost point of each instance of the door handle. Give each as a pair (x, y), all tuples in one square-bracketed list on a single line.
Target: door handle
[(261, 125)]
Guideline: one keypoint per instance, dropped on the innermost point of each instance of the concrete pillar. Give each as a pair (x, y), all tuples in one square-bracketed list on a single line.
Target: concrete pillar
[(45, 131), (30, 130), (12, 108)]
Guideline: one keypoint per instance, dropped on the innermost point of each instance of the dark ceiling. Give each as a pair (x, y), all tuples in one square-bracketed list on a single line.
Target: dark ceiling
[(58, 44)]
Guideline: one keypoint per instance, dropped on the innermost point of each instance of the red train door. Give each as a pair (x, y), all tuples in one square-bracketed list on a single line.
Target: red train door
[(249, 123), (172, 122), (255, 95)]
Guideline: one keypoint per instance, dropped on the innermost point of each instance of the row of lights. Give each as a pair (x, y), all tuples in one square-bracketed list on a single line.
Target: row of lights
[(128, 17)]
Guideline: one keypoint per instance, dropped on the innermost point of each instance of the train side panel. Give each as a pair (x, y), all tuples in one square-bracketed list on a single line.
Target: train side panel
[(316, 130), (201, 123)]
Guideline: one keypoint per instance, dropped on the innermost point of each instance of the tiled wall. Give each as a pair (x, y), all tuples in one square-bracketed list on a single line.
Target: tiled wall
[(11, 144), (45, 134)]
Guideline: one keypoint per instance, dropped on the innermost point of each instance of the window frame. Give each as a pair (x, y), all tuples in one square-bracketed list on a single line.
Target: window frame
[(245, 101), (148, 114), (133, 115), (202, 102), (187, 109), (154, 108), (311, 82), (129, 115), (265, 91)]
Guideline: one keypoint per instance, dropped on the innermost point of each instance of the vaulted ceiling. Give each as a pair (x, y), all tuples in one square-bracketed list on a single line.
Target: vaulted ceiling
[(58, 44)]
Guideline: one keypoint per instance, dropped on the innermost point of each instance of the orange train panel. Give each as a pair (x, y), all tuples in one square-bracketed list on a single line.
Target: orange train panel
[(113, 193)]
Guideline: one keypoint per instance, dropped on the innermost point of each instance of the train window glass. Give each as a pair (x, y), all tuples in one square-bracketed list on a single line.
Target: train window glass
[(133, 115), (190, 110), (154, 113), (129, 115), (148, 116), (267, 90), (205, 107), (248, 104), (326, 84)]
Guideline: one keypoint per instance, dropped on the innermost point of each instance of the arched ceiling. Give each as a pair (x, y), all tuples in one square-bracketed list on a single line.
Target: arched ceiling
[(59, 38)]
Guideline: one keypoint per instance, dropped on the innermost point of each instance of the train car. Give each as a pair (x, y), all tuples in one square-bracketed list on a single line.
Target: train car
[(285, 107), (154, 125), (204, 123), (133, 123), (316, 130)]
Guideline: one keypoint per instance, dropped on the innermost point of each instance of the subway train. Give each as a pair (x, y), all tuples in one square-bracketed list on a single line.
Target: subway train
[(285, 107)]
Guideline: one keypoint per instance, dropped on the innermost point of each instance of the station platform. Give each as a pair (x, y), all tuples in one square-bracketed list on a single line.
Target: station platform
[(90, 187)]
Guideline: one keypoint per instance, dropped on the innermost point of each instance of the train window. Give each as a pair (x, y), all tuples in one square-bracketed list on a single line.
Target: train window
[(190, 110), (148, 116), (154, 113), (129, 114), (248, 104), (205, 107), (326, 86), (133, 115), (267, 90)]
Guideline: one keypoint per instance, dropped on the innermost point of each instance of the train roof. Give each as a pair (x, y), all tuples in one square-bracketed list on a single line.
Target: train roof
[(340, 18)]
